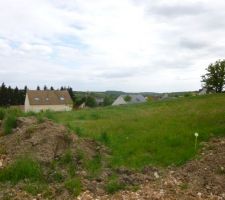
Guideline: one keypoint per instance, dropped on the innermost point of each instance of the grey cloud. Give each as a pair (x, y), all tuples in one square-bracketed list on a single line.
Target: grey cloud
[(192, 44), (176, 10)]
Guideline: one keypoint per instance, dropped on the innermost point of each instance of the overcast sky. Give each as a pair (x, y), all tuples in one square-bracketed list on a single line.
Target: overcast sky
[(129, 45)]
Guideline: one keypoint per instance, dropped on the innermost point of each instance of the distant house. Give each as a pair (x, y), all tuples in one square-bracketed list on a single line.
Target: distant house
[(41, 100), (99, 101), (119, 101), (83, 105), (203, 91), (165, 96), (132, 99)]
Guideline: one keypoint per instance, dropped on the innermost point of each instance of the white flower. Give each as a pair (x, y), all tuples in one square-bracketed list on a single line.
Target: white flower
[(196, 134)]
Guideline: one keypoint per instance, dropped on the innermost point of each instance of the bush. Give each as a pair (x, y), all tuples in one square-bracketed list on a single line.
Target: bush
[(2, 113), (74, 186), (22, 168), (9, 123)]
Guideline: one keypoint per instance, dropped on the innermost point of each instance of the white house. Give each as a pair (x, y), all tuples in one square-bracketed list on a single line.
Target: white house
[(132, 99), (41, 100), (203, 91), (119, 101)]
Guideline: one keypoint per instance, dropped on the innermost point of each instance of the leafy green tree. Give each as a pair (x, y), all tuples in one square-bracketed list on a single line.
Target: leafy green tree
[(214, 79), (107, 101), (127, 98), (91, 102)]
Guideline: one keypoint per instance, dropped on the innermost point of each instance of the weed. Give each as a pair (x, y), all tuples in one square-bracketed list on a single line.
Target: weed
[(35, 188), (184, 186), (104, 138), (22, 168), (93, 166), (58, 177), (114, 185), (9, 123), (29, 131), (78, 131), (67, 158), (2, 113), (74, 186)]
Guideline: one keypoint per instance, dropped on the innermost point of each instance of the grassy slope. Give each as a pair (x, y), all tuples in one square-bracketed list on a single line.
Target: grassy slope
[(159, 133)]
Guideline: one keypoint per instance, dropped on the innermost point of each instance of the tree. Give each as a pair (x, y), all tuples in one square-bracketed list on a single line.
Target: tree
[(51, 88), (214, 79), (91, 102), (45, 87), (107, 101), (127, 98), (38, 87)]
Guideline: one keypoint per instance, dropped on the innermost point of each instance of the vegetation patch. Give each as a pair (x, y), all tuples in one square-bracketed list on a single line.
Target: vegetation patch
[(22, 168), (2, 113), (9, 124), (150, 133), (114, 185), (74, 186), (93, 166)]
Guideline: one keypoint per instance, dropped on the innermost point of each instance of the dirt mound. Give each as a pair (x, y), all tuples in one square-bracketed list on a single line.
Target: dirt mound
[(44, 141)]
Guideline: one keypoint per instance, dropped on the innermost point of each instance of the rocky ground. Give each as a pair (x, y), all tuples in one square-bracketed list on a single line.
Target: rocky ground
[(201, 178)]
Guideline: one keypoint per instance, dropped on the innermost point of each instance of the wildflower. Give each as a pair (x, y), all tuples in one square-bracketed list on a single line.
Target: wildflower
[(196, 140)]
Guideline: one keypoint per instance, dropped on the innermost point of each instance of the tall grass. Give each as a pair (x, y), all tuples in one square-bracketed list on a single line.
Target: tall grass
[(22, 168), (9, 124), (158, 133), (2, 113)]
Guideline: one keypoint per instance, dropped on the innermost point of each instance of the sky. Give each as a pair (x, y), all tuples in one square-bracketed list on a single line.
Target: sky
[(98, 45)]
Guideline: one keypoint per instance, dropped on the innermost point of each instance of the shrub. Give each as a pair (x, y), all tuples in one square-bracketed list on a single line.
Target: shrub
[(74, 186), (22, 168), (2, 113), (9, 123)]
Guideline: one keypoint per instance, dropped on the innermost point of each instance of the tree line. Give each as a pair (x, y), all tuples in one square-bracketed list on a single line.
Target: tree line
[(15, 96)]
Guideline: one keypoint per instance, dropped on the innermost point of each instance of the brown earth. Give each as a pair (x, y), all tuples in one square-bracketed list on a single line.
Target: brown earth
[(201, 178)]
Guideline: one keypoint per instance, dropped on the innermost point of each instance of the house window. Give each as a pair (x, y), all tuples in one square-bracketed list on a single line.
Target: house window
[(62, 98), (36, 99)]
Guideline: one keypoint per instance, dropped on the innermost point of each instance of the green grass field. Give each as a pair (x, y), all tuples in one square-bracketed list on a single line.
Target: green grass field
[(158, 133)]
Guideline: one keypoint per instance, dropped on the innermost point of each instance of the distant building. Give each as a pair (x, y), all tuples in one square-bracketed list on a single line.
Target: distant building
[(132, 99), (203, 91), (83, 105), (41, 100), (165, 96), (119, 101), (99, 101)]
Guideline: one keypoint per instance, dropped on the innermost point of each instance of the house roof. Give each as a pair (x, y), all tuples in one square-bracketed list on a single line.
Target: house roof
[(119, 101), (134, 99), (49, 97)]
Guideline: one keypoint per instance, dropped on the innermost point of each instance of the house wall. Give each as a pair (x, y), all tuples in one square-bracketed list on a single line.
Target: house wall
[(38, 108)]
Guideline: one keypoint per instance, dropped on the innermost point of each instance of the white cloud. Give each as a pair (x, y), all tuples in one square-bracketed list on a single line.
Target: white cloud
[(128, 45)]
